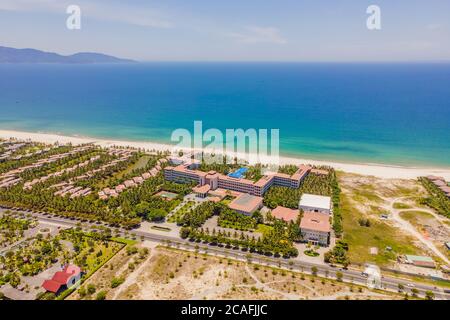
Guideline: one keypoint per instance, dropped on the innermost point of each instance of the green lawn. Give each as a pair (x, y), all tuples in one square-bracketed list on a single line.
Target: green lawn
[(399, 205), (141, 163), (125, 241)]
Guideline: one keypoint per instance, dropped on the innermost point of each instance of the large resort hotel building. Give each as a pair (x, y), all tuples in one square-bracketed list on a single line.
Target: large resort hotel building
[(187, 172)]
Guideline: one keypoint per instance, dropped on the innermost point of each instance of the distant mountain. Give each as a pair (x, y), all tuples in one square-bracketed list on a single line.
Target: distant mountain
[(12, 55)]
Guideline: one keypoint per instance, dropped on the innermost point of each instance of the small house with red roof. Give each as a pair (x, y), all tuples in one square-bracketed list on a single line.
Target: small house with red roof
[(63, 280)]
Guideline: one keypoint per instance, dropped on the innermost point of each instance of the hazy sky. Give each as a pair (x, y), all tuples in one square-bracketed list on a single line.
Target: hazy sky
[(255, 30)]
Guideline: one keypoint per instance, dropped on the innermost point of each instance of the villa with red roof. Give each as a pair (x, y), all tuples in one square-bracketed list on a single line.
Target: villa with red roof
[(63, 280)]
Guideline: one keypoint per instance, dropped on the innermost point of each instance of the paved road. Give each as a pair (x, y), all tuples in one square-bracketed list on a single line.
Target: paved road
[(349, 275)]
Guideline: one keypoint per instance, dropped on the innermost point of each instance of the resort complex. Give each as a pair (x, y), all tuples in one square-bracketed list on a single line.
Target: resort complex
[(248, 195), (85, 204), (186, 172)]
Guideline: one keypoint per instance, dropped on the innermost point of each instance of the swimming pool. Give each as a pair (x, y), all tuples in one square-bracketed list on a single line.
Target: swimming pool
[(239, 173)]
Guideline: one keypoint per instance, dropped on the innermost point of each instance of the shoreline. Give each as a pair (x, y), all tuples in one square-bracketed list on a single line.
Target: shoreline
[(377, 170)]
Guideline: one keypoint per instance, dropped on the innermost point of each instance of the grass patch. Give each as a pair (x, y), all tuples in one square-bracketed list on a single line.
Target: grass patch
[(399, 205), (366, 192), (416, 218), (311, 253), (226, 201), (141, 163), (264, 229), (125, 241)]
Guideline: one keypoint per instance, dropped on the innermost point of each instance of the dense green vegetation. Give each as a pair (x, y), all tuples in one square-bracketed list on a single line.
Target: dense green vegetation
[(177, 216), (14, 164), (289, 169), (197, 217), (181, 189), (282, 196), (134, 166), (326, 185), (437, 199), (156, 209), (41, 252), (12, 229), (338, 254), (116, 211), (336, 201), (289, 197), (278, 240), (61, 164), (254, 172), (231, 219)]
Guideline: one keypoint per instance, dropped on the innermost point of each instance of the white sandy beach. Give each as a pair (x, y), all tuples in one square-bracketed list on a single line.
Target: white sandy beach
[(381, 171)]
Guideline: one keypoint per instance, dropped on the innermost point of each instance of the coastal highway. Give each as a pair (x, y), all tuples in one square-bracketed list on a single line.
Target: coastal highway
[(349, 275)]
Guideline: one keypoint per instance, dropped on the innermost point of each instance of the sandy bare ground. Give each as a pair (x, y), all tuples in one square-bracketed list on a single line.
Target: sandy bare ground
[(408, 227), (374, 196), (117, 267), (378, 170), (175, 274)]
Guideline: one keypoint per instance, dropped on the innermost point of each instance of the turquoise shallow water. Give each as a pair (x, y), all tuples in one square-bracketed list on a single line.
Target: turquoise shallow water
[(377, 113)]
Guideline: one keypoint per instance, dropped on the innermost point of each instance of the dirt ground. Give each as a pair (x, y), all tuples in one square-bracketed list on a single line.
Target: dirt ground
[(174, 274), (120, 267), (366, 197)]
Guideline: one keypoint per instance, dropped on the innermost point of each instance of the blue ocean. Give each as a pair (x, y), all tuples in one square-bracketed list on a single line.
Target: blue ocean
[(373, 113)]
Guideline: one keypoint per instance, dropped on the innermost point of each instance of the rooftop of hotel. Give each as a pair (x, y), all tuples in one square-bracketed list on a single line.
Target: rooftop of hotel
[(202, 189), (263, 181), (184, 168), (315, 221), (220, 192), (245, 202), (214, 199), (285, 214), (302, 170), (240, 180), (315, 201)]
